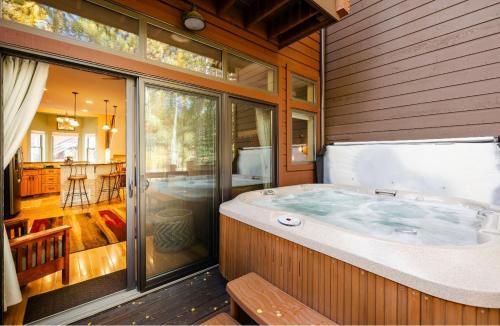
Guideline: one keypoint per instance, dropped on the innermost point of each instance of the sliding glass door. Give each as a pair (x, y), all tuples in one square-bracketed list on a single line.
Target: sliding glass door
[(251, 147), (179, 181)]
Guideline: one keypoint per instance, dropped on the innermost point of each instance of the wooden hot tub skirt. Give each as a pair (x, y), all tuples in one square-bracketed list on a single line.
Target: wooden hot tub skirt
[(342, 292)]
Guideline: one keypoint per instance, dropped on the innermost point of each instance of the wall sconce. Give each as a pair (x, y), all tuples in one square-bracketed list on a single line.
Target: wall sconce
[(193, 20)]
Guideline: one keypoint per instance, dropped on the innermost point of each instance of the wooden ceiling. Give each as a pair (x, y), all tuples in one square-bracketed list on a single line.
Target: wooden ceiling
[(279, 21)]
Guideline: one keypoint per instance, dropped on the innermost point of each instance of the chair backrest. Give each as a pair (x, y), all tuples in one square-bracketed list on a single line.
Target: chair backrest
[(78, 169)]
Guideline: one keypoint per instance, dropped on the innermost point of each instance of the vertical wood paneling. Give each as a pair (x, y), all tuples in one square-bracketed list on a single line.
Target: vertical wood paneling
[(413, 70), (344, 293)]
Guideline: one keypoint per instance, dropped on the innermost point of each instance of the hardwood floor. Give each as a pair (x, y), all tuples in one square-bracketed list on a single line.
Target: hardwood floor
[(84, 265)]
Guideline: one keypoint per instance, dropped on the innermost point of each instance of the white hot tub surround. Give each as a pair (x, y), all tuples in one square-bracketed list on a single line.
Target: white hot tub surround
[(467, 274)]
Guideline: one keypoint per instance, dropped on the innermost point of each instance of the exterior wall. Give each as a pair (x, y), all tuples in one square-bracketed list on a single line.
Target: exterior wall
[(414, 70), (302, 58)]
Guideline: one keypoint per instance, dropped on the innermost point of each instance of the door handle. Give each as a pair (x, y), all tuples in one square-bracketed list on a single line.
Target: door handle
[(146, 184), (130, 188)]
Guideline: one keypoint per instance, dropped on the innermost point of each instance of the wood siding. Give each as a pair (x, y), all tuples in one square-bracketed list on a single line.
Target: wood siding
[(301, 57), (414, 70), (342, 292)]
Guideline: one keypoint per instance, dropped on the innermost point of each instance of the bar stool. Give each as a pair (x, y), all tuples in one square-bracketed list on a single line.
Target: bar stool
[(77, 174), (109, 182), (121, 176)]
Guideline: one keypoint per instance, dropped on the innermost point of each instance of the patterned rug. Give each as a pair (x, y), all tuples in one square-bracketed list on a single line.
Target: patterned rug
[(88, 230)]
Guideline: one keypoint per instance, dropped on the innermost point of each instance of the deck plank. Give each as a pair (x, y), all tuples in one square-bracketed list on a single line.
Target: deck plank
[(188, 302)]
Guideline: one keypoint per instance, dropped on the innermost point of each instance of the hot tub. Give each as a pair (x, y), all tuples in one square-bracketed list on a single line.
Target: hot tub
[(443, 248)]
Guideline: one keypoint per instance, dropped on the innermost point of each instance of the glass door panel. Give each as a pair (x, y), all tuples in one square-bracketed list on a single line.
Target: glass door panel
[(180, 181), (252, 143)]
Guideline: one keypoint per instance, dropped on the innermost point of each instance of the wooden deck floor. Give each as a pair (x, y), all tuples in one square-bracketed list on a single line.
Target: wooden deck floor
[(188, 302)]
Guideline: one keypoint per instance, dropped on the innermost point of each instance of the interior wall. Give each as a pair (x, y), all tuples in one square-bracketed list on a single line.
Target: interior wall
[(414, 70), (88, 125)]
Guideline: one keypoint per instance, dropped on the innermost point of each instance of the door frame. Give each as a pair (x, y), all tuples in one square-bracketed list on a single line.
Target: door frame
[(226, 142), (143, 283), (131, 98)]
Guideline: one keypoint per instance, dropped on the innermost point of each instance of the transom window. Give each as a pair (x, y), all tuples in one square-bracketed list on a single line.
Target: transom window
[(303, 89)]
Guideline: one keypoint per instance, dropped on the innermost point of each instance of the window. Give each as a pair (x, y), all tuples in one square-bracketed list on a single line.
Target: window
[(90, 148), (64, 145), (77, 19), (250, 73), (37, 146), (180, 51), (252, 146), (303, 89), (303, 136)]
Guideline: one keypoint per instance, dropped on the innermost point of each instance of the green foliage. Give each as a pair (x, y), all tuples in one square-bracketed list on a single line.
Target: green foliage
[(67, 24)]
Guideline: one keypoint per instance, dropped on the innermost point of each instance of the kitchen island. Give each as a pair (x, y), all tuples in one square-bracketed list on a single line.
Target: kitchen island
[(95, 173)]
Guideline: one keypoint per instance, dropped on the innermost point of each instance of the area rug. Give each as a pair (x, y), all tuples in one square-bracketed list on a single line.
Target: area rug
[(49, 303), (88, 230)]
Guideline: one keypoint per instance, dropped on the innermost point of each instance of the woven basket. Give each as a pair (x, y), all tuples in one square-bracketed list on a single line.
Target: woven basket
[(173, 230)]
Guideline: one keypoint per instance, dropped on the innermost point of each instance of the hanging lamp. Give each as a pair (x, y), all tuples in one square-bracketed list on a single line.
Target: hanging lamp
[(106, 126), (113, 121), (73, 122)]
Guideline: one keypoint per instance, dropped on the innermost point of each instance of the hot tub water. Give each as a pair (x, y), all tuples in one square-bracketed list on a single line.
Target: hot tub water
[(391, 218)]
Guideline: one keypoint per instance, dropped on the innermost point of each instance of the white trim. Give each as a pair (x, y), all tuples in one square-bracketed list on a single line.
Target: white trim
[(75, 314)]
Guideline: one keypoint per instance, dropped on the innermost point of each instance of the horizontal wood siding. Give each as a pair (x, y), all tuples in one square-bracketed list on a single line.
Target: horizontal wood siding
[(414, 70)]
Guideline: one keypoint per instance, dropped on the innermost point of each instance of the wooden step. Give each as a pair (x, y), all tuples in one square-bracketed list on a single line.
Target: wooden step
[(268, 305), (221, 319)]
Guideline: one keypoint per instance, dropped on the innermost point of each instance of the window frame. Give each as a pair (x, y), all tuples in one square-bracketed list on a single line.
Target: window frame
[(42, 147), (315, 86), (75, 134), (314, 140), (86, 148), (293, 104)]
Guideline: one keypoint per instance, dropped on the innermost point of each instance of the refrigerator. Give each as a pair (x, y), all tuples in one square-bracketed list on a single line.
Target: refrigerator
[(13, 176)]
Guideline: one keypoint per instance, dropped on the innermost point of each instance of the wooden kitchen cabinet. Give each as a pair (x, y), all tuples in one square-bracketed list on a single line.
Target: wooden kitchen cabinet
[(40, 181)]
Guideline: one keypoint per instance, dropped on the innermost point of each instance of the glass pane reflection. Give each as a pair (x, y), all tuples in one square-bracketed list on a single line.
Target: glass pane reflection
[(180, 137), (252, 143)]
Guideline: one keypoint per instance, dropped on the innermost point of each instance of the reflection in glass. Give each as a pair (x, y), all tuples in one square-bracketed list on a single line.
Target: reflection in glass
[(252, 145), (177, 50), (180, 140), (303, 89), (249, 73), (303, 136), (77, 19)]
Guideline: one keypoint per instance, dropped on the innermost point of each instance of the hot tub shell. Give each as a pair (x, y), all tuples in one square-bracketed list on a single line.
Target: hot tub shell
[(352, 278)]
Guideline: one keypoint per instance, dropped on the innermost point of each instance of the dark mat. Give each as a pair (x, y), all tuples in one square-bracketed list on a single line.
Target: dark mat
[(49, 303)]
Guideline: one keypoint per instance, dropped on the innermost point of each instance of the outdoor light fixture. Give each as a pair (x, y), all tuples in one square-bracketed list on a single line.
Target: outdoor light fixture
[(106, 126), (193, 20), (73, 122)]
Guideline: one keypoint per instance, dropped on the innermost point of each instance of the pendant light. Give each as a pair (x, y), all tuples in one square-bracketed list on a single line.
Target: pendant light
[(106, 126), (193, 20), (113, 121), (73, 122)]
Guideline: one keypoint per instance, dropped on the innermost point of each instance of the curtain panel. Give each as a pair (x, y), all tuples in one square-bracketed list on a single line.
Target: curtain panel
[(22, 89)]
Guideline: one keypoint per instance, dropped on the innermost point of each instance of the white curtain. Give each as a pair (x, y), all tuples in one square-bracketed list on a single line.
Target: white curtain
[(23, 86), (264, 133), (263, 118)]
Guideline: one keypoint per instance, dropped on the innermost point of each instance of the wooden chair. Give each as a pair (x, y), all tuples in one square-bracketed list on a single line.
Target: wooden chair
[(268, 305), (40, 253)]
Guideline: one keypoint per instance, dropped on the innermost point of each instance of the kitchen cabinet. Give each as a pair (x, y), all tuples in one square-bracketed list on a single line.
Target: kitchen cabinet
[(40, 181)]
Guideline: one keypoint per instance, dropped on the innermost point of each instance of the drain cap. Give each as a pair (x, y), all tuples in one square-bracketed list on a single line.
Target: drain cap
[(289, 220)]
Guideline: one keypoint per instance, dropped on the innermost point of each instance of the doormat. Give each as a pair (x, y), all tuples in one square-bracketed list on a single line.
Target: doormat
[(50, 303), (88, 230)]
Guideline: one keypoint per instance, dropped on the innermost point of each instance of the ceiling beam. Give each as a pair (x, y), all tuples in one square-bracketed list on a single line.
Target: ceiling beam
[(264, 9), (289, 20), (342, 7), (299, 32), (224, 5)]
